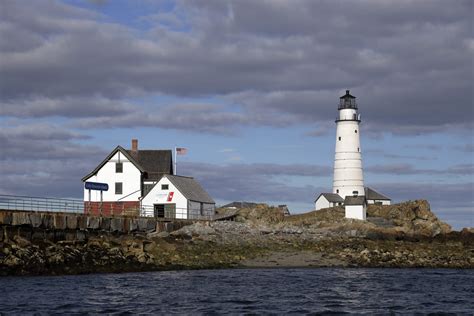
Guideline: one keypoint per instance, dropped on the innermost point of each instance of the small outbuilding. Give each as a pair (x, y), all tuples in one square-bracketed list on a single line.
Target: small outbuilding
[(326, 200), (355, 207), (178, 197), (374, 197)]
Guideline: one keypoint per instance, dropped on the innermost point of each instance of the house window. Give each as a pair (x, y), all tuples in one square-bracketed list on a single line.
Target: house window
[(164, 187), (339, 137), (118, 167), (147, 188), (118, 187)]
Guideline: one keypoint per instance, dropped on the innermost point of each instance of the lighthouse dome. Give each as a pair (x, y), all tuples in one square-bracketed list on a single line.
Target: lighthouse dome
[(347, 101)]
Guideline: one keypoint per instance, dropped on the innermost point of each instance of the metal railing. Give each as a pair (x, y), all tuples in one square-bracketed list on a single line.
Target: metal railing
[(175, 213), (30, 203), (43, 204)]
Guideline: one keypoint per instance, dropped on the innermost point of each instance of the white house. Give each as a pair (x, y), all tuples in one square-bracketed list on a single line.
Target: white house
[(374, 197), (129, 175), (178, 197), (326, 200), (355, 207)]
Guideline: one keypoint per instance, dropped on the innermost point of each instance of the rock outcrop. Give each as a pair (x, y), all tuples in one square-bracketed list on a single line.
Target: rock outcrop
[(402, 235)]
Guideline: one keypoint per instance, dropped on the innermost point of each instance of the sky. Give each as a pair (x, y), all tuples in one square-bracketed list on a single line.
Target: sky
[(249, 87)]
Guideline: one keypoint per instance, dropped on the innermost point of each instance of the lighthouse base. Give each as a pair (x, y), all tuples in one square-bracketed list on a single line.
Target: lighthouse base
[(356, 212)]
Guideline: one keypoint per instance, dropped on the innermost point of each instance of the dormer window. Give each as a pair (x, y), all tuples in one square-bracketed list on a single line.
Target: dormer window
[(119, 167)]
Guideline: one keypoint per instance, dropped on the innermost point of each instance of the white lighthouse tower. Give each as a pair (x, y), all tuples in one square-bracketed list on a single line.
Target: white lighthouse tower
[(348, 175), (348, 183)]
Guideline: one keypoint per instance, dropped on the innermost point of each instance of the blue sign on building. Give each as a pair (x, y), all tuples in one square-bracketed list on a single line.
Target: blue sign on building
[(97, 186)]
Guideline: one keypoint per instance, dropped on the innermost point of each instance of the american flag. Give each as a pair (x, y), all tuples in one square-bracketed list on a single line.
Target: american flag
[(181, 151)]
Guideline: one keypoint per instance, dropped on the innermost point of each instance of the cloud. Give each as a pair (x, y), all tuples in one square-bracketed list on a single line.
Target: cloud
[(384, 154), (282, 71), (408, 169), (70, 107), (467, 148), (43, 141), (205, 118), (256, 182), (43, 159), (442, 196)]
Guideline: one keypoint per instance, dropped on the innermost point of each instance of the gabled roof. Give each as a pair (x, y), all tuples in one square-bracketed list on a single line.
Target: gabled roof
[(331, 197), (124, 152), (371, 194), (155, 163), (354, 200), (190, 188)]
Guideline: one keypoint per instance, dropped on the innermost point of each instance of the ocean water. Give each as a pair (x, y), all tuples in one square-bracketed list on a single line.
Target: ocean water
[(244, 291)]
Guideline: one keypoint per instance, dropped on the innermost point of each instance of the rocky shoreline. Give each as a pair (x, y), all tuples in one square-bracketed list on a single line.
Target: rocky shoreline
[(407, 235)]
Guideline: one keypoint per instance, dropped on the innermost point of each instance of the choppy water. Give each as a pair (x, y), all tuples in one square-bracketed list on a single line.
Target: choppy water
[(255, 291)]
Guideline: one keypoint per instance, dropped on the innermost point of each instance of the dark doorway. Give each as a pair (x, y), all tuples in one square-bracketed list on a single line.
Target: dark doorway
[(165, 210), (159, 210)]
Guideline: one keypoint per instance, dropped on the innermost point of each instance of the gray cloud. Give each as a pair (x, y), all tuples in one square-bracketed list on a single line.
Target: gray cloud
[(205, 118), (70, 107), (408, 169), (467, 148), (256, 182), (389, 155), (442, 196), (395, 58), (44, 141)]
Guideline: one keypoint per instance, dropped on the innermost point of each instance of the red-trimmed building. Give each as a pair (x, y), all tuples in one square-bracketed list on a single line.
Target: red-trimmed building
[(130, 175)]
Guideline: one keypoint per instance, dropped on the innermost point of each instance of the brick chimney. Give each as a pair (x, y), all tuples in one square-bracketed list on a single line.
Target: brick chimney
[(134, 146)]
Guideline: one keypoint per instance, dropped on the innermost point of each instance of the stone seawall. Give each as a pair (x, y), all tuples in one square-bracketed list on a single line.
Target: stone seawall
[(35, 243), (77, 227)]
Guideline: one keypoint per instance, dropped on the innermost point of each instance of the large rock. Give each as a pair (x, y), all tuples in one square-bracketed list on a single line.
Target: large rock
[(36, 219), (59, 221), (93, 222), (20, 218), (71, 221), (414, 216), (5, 218), (116, 225), (197, 229)]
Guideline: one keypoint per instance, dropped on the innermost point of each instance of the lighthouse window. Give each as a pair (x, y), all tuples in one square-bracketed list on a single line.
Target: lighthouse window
[(337, 191), (358, 149), (339, 138), (355, 131)]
